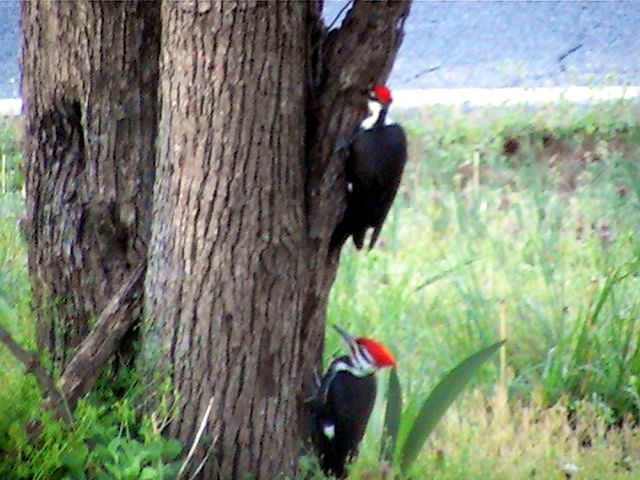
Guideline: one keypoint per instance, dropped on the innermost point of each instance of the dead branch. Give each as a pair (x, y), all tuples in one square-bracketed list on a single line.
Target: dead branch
[(363, 49), (97, 348)]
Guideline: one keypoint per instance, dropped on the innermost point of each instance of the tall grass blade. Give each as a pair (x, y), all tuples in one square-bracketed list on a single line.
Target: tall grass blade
[(582, 346), (444, 274), (439, 400), (392, 417)]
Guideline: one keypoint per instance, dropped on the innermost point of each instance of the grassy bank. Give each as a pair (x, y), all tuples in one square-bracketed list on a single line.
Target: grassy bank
[(513, 224), (520, 225)]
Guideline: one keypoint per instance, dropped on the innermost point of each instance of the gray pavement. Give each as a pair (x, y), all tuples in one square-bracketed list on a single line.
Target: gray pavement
[(491, 44), (487, 44), (9, 49)]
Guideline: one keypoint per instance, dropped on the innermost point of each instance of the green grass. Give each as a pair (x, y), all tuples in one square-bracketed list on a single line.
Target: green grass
[(14, 294), (498, 438), (14, 284), (539, 246)]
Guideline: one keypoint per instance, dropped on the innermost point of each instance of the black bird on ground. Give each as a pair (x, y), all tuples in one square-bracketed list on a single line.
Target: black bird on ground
[(375, 161), (343, 402)]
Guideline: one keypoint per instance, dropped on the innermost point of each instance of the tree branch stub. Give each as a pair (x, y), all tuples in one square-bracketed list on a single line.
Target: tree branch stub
[(98, 347)]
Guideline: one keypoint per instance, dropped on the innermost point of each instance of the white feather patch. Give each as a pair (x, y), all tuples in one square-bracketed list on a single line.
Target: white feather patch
[(329, 430), (374, 111)]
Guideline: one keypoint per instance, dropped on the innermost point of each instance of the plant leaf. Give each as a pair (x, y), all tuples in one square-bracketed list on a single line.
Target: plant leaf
[(171, 449), (149, 473), (392, 416), (438, 401)]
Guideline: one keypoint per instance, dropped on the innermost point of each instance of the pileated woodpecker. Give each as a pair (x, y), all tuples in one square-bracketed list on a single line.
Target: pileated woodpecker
[(343, 401), (374, 166)]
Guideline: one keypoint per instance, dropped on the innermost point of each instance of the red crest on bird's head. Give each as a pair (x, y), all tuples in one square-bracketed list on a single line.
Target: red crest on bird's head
[(380, 355), (383, 94)]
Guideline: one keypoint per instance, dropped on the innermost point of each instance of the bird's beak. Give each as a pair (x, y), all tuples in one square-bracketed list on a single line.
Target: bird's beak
[(348, 339)]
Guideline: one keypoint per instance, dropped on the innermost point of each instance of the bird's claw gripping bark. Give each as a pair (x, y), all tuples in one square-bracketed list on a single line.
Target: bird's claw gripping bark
[(317, 378), (343, 144), (313, 400)]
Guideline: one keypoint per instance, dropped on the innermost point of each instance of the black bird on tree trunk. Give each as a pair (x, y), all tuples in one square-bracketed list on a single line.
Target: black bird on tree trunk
[(374, 165), (344, 400)]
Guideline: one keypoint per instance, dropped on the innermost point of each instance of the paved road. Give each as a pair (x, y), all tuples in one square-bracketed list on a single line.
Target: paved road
[(9, 49), (490, 44)]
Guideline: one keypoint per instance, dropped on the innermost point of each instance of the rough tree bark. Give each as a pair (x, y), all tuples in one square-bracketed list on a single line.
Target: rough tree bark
[(90, 79), (255, 99)]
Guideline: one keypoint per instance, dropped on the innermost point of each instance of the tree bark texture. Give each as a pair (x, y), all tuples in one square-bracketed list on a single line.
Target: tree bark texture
[(256, 98), (90, 78), (227, 269)]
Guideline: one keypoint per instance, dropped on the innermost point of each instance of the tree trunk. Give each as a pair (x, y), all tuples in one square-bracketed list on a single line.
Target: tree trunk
[(256, 98), (227, 272), (255, 101), (90, 79)]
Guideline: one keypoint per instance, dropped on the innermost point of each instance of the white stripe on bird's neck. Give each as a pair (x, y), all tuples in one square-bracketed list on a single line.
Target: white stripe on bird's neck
[(357, 365), (374, 112)]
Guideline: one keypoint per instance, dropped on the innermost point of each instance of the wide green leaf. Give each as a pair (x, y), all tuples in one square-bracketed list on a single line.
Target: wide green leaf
[(392, 416), (438, 401)]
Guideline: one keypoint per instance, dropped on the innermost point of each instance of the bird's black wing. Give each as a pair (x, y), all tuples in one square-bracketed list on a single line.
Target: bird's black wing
[(351, 401), (384, 180), (343, 404), (374, 167)]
